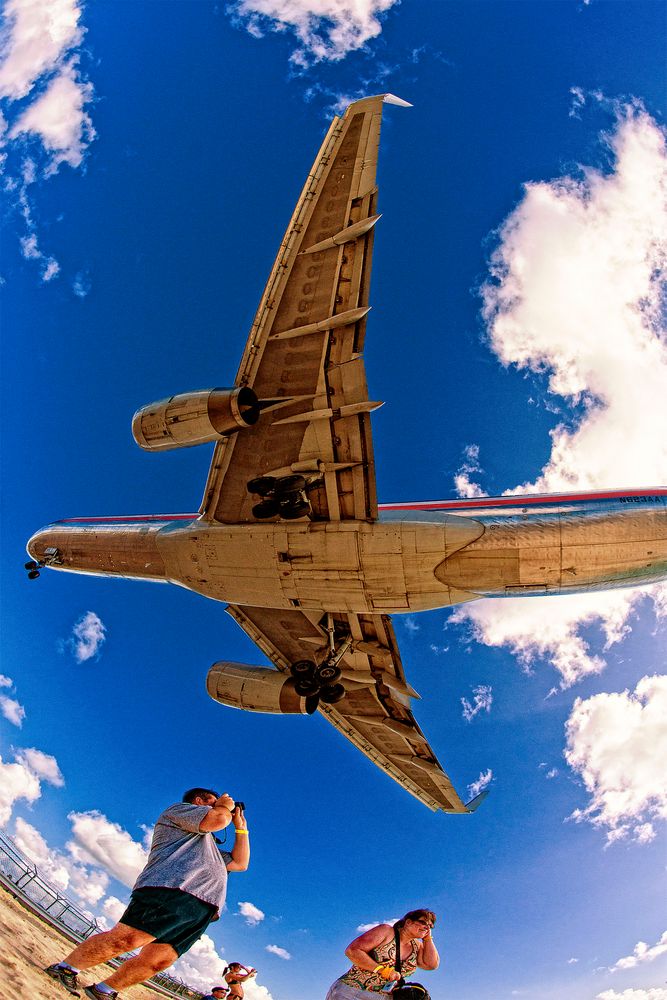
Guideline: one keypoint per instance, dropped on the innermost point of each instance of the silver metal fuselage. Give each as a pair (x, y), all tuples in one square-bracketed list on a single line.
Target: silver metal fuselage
[(416, 557)]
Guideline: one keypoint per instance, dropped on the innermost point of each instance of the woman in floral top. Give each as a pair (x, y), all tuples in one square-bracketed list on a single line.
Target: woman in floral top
[(373, 957)]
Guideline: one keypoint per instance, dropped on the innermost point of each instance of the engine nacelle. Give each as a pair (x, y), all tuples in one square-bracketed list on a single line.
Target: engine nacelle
[(194, 418), (257, 689)]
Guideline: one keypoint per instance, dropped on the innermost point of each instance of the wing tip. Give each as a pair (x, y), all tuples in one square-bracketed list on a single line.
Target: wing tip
[(383, 98), (475, 803)]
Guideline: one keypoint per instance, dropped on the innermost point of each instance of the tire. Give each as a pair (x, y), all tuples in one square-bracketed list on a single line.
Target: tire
[(289, 484), (305, 687), (327, 674), (296, 508), (266, 508), (332, 694), (262, 485), (303, 669), (31, 565), (33, 574)]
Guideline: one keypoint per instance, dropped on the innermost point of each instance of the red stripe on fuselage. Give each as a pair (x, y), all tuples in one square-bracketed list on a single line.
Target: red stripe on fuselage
[(516, 500)]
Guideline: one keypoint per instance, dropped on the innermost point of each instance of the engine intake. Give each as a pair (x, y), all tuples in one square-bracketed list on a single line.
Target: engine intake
[(194, 418), (257, 689)]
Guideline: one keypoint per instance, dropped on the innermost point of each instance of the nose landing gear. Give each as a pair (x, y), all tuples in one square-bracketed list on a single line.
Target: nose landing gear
[(51, 558)]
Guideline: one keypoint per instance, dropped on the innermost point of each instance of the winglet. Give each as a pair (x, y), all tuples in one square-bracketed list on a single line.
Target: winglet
[(392, 99), (475, 803)]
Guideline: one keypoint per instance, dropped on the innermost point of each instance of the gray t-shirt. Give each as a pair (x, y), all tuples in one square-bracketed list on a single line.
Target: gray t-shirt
[(182, 857)]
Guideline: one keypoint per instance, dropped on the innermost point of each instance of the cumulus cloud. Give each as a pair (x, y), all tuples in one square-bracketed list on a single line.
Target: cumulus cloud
[(652, 993), (576, 296), (464, 486), (44, 96), (483, 699), (61, 870), (362, 928), (202, 967), (482, 782), (113, 908), (326, 30), (642, 953), (617, 743), (253, 915), (58, 118), (22, 778), (98, 841), (88, 636), (277, 950), (12, 710)]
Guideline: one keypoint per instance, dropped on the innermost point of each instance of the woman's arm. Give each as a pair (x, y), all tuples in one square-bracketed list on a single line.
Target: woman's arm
[(428, 957), (358, 951)]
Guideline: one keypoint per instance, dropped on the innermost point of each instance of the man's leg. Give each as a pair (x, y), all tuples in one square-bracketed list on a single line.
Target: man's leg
[(151, 959), (108, 944)]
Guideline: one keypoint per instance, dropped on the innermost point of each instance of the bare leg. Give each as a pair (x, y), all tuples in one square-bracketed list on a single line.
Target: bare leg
[(151, 959), (101, 947)]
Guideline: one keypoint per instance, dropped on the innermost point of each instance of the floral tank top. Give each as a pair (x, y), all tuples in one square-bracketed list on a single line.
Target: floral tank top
[(385, 954)]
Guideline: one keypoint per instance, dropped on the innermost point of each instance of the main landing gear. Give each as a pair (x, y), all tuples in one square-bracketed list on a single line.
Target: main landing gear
[(282, 496), (324, 678)]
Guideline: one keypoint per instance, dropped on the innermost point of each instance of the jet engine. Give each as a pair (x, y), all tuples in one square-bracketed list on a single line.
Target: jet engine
[(194, 418), (257, 689)]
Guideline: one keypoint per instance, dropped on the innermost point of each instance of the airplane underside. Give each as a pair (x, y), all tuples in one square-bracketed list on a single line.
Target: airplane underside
[(407, 561)]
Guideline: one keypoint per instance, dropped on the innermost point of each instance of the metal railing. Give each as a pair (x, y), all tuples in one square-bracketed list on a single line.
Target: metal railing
[(21, 876)]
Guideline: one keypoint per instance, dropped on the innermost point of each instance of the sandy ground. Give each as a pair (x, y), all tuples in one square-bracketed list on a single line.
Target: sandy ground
[(28, 946)]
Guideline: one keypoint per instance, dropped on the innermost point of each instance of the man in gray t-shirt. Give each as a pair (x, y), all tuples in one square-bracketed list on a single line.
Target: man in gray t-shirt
[(181, 889)]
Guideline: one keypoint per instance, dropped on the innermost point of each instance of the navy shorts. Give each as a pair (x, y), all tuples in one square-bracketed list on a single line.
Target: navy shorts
[(169, 915)]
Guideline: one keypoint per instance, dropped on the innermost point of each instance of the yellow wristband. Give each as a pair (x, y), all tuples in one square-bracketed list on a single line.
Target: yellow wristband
[(377, 968), (239, 830)]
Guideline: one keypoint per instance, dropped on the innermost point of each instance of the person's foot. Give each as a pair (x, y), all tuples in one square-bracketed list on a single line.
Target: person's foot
[(95, 994), (65, 977)]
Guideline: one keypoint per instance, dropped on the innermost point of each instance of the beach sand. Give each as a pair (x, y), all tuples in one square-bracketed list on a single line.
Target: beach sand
[(28, 946)]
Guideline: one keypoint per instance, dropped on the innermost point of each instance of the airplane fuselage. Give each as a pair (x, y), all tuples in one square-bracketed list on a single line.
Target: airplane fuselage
[(416, 557)]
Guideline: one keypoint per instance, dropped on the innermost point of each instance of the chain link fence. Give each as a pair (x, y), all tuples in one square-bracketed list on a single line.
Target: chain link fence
[(21, 876)]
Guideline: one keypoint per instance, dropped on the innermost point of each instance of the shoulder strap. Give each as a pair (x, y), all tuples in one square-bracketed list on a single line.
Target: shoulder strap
[(397, 960)]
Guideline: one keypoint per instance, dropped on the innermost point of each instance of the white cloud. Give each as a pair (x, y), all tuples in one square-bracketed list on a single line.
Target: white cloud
[(16, 782), (100, 842), (58, 118), (40, 45), (617, 743), (483, 697), (6, 682), (326, 30), (550, 627), (482, 782), (201, 967), (253, 915), (36, 35), (652, 993), (410, 624), (113, 908), (362, 928), (12, 710), (277, 950), (576, 294), (470, 466), (42, 764), (642, 953), (88, 635), (61, 870)]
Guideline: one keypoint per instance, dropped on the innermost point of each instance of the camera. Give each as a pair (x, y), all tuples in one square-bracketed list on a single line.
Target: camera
[(240, 805)]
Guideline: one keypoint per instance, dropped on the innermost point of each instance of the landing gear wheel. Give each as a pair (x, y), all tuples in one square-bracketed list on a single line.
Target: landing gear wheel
[(305, 687), (31, 565), (327, 674), (262, 485), (292, 511), (303, 669), (33, 574), (265, 508), (289, 484), (332, 694)]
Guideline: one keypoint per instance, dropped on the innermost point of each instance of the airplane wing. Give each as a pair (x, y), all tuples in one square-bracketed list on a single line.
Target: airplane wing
[(375, 713), (303, 355)]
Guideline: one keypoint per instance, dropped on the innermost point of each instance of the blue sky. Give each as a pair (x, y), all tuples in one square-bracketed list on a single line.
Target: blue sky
[(152, 155)]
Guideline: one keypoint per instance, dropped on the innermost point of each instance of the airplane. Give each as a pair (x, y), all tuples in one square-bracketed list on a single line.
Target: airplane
[(290, 533)]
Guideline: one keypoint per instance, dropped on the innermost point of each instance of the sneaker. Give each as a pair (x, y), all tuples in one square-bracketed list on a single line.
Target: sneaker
[(95, 994), (65, 977)]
